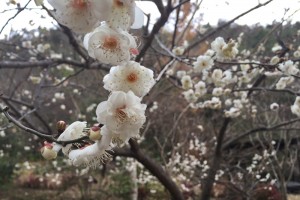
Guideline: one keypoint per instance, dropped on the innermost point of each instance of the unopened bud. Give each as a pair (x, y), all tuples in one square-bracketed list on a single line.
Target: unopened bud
[(61, 126), (47, 152), (94, 133), (134, 51)]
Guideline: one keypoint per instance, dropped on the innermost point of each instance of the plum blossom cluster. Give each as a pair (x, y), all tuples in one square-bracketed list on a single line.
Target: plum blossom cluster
[(220, 80), (184, 166), (105, 25)]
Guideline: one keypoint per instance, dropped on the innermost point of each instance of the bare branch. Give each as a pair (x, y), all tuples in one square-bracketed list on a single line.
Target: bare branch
[(259, 129), (198, 41), (13, 17), (49, 138)]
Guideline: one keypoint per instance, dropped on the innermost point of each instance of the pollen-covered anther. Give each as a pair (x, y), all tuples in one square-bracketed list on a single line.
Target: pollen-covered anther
[(121, 115), (94, 133), (132, 77), (79, 4), (117, 141), (110, 43)]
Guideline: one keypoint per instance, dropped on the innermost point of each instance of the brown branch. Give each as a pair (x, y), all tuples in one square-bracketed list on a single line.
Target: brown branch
[(64, 80), (198, 41), (19, 11), (267, 89), (30, 106), (51, 62), (72, 40), (74, 43), (49, 138), (232, 141), (156, 170), (149, 164), (165, 13), (40, 63)]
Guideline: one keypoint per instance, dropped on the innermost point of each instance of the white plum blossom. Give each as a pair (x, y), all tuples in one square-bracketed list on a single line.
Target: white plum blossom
[(288, 67), (230, 50), (110, 46), (217, 91), (214, 103), (72, 132), (180, 73), (122, 14), (200, 89), (228, 102), (217, 46), (81, 15), (178, 51), (274, 106), (296, 54), (227, 78), (274, 60), (276, 48), (283, 82), (123, 114), (224, 50), (232, 112), (203, 63), (93, 155), (186, 82), (209, 53), (216, 76), (130, 76), (190, 96)]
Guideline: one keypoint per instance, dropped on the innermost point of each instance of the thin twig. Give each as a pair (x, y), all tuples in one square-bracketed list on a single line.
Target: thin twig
[(49, 138)]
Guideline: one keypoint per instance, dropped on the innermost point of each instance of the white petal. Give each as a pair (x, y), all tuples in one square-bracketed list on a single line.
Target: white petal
[(138, 18)]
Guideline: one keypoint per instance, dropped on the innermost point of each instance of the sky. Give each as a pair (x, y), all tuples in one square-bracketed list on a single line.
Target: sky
[(212, 10)]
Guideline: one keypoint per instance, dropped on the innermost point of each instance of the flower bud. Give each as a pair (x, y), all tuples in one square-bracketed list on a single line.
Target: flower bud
[(61, 126), (47, 152), (94, 133)]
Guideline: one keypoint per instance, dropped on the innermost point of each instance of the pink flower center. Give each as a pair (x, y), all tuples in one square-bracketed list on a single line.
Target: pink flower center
[(110, 43), (118, 3), (79, 4), (132, 77), (134, 51)]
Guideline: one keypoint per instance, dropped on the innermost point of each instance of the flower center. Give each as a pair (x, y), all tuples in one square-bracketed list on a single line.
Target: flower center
[(79, 4), (110, 43), (132, 77), (118, 3), (121, 115)]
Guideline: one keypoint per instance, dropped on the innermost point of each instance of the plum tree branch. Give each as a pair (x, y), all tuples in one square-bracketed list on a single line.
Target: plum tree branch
[(233, 140), (134, 152), (165, 13), (19, 11), (198, 41), (49, 138), (156, 170), (51, 62)]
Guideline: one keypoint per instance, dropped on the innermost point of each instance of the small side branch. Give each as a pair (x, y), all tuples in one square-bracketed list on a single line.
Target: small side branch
[(49, 138)]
